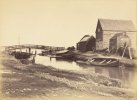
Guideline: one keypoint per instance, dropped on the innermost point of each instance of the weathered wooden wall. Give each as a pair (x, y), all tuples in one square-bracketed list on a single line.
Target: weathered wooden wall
[(82, 46), (107, 35), (99, 37)]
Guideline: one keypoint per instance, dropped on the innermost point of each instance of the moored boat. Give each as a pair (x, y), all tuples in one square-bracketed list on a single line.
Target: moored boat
[(22, 55), (104, 61), (65, 55), (61, 52), (30, 60)]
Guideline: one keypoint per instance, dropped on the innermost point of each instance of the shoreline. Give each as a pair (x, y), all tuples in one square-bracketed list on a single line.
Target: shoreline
[(89, 83), (122, 60)]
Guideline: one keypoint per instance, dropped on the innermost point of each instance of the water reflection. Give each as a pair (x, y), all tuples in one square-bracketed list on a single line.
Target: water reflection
[(59, 64), (123, 73)]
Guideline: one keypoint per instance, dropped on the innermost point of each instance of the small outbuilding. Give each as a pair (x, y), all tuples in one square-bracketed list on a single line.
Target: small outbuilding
[(119, 40), (87, 43)]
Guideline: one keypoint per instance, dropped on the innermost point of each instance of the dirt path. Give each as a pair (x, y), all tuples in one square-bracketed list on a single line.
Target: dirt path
[(29, 81)]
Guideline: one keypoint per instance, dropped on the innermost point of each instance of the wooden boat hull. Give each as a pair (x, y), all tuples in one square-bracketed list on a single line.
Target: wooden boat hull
[(68, 55), (112, 62), (58, 57), (61, 52), (22, 55), (63, 58)]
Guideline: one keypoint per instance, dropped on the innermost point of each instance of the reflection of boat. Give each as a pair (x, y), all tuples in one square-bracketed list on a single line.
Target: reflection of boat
[(82, 62), (104, 62)]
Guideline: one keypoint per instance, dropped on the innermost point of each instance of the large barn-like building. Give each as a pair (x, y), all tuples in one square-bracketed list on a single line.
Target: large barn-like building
[(119, 31)]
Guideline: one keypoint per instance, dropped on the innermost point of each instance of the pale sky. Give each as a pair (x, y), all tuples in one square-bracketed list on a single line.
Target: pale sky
[(58, 22)]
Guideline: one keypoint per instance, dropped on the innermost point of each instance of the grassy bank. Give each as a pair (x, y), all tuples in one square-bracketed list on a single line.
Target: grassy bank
[(86, 83)]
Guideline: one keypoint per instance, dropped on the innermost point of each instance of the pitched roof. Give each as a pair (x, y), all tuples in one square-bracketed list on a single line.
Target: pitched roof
[(119, 34), (86, 38), (117, 25)]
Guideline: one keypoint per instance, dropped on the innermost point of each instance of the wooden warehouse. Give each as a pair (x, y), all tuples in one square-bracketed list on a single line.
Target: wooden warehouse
[(87, 43), (107, 29)]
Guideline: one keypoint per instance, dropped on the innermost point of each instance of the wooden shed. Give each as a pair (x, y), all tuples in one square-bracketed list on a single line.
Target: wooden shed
[(87, 43), (119, 40)]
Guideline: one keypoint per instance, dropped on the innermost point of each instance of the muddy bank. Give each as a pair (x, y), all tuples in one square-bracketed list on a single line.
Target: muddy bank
[(69, 80)]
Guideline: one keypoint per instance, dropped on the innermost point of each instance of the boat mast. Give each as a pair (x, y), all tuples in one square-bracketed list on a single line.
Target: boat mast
[(19, 41)]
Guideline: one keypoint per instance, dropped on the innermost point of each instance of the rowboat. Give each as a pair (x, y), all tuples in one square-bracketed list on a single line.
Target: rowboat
[(104, 61)]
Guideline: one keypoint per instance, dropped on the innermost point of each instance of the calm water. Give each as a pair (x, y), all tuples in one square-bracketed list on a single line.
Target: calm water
[(125, 74)]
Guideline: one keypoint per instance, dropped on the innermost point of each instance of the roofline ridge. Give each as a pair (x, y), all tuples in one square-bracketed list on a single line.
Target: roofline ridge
[(115, 19), (120, 30)]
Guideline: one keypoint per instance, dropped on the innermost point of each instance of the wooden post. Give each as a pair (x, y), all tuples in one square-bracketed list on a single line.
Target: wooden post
[(124, 49), (130, 56)]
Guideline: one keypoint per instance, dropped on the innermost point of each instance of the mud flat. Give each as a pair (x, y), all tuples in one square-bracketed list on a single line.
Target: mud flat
[(39, 81)]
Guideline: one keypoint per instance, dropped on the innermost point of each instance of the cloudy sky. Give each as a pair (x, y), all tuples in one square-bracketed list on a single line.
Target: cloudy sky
[(58, 22)]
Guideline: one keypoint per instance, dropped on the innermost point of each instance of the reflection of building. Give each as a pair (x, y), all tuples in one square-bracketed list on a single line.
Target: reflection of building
[(106, 29), (114, 72), (105, 72), (92, 69), (87, 43), (102, 70), (98, 70)]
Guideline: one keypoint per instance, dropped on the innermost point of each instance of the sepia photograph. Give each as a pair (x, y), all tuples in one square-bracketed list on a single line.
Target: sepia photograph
[(68, 49)]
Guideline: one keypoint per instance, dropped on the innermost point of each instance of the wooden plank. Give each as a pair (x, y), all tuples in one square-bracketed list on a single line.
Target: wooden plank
[(109, 61), (102, 61), (124, 49), (130, 56)]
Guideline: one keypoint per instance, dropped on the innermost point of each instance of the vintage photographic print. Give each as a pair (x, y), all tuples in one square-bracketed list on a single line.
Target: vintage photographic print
[(68, 50)]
